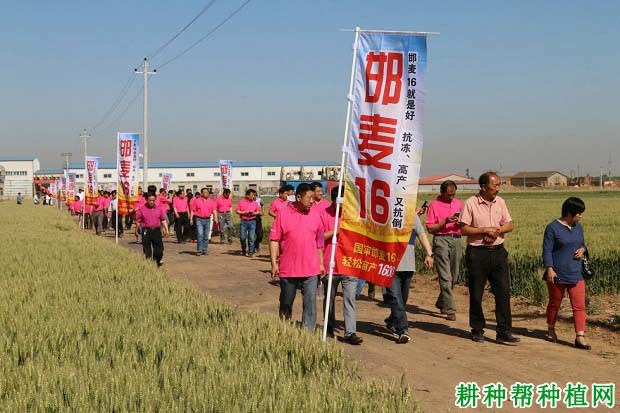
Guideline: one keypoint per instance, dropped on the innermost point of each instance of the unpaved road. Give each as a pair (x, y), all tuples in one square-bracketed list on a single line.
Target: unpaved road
[(440, 354)]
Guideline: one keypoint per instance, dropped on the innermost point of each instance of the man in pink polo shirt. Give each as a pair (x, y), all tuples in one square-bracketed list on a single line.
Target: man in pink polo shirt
[(281, 201), (485, 220), (224, 210), (442, 221), (152, 220), (203, 208), (297, 243), (248, 209), (181, 215), (317, 193), (99, 212)]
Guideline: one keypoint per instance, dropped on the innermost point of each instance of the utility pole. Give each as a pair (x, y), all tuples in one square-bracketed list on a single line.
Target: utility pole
[(601, 182), (609, 168), (145, 168)]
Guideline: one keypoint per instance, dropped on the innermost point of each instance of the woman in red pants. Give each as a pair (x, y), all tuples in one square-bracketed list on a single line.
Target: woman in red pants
[(564, 247)]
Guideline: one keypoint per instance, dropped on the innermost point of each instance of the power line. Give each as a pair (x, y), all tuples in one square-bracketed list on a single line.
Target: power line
[(116, 102), (162, 47), (131, 102), (206, 36)]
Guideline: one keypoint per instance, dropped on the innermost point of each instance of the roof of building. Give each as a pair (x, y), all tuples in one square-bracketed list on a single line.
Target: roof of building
[(205, 164), (16, 159), (536, 174), (438, 179)]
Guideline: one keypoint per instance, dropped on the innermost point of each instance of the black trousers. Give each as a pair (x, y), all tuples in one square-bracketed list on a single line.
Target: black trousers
[(113, 222), (182, 226), (258, 238), (153, 244), (129, 221), (488, 264), (88, 223)]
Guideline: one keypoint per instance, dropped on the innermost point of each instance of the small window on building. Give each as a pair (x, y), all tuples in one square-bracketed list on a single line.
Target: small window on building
[(216, 174), (189, 174), (271, 173), (245, 174), (161, 174), (107, 175), (209, 187), (235, 188)]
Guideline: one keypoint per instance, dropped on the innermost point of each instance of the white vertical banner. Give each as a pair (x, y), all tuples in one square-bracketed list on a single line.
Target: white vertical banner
[(166, 180), (226, 175), (127, 166), (384, 153)]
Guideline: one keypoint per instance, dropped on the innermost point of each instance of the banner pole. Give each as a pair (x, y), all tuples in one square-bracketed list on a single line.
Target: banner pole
[(347, 129), (117, 196)]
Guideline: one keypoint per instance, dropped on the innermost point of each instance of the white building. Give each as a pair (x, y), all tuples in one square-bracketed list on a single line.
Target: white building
[(18, 174), (264, 177)]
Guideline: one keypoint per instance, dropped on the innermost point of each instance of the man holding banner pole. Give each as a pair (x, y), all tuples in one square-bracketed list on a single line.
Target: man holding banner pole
[(296, 244)]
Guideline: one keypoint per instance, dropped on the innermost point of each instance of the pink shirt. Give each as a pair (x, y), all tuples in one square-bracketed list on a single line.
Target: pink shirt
[(76, 206), (329, 216), (224, 204), (88, 209), (100, 206), (150, 217), (300, 236), (106, 202), (438, 210), (277, 205), (203, 207), (479, 213), (179, 204), (248, 206), (323, 204), (162, 202)]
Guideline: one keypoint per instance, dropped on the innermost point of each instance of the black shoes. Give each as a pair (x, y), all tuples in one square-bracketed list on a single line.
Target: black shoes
[(477, 336), (403, 338), (580, 345), (507, 338), (353, 339)]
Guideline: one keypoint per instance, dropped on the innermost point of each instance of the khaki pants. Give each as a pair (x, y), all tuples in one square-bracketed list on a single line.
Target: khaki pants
[(448, 252)]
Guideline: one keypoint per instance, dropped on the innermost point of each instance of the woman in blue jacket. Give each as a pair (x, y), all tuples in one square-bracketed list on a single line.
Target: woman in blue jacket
[(563, 249)]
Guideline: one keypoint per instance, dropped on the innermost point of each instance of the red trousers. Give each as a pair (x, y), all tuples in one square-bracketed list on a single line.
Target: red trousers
[(577, 295)]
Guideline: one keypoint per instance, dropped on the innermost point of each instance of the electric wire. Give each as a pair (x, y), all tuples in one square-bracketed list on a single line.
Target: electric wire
[(167, 62), (116, 102), (163, 46)]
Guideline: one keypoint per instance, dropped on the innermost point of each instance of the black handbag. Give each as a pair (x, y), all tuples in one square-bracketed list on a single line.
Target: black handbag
[(587, 270)]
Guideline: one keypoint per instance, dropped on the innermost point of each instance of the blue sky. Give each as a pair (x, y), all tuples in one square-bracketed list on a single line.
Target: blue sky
[(517, 85)]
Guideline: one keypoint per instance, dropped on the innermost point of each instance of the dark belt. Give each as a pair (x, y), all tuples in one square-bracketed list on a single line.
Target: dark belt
[(449, 235), (487, 247), (253, 219), (209, 217), (223, 212)]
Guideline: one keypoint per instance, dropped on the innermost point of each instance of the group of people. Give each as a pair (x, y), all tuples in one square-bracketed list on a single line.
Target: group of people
[(302, 235)]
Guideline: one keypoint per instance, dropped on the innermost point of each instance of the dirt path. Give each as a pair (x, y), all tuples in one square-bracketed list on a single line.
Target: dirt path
[(440, 354)]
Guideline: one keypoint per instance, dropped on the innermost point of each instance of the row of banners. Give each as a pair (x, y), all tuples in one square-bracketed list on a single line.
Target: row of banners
[(383, 157)]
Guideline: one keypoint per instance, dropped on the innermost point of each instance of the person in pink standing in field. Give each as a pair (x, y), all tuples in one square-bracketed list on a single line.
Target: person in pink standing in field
[(76, 207), (224, 209), (181, 217), (319, 202), (248, 209), (282, 200), (442, 220), (296, 245)]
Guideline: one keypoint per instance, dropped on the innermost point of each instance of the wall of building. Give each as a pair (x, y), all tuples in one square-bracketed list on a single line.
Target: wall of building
[(19, 176)]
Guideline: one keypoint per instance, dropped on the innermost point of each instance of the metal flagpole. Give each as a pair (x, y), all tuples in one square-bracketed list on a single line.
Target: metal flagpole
[(117, 194), (332, 262), (84, 136)]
